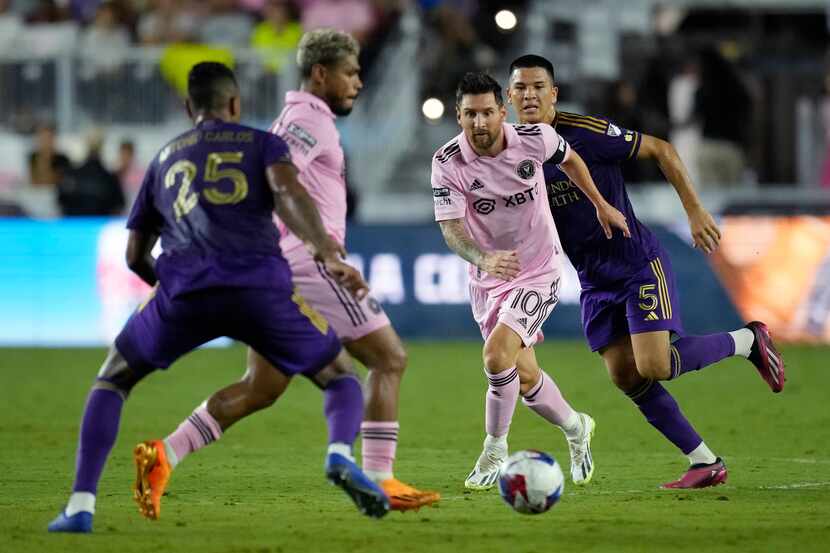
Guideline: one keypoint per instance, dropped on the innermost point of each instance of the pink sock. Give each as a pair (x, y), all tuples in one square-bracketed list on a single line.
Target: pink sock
[(500, 401), (197, 431), (546, 399), (380, 440)]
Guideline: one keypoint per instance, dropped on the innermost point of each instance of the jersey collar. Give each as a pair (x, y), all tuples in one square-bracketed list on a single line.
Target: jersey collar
[(302, 97), (470, 155)]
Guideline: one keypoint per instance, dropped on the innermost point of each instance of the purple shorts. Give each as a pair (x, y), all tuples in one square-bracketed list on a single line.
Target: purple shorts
[(646, 301), (276, 322)]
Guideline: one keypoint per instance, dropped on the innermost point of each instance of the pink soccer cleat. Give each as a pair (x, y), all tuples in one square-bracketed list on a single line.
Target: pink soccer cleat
[(765, 357), (701, 476)]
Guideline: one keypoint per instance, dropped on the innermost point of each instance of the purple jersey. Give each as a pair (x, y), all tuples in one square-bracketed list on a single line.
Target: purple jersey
[(207, 196), (604, 146)]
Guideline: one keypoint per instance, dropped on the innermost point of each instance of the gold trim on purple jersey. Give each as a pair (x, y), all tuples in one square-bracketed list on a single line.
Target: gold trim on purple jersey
[(595, 124), (582, 121), (662, 288), (636, 144)]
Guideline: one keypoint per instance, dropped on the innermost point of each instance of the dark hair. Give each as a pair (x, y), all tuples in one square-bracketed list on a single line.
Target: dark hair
[(532, 60), (478, 83), (209, 85)]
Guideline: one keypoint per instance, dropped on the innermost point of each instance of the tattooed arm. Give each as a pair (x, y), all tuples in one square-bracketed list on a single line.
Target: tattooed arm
[(502, 264)]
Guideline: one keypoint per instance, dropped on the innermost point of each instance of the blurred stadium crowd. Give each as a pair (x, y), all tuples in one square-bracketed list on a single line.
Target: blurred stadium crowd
[(118, 24), (743, 91)]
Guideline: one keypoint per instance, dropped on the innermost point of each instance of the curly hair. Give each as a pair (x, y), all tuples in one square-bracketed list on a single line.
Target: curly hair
[(324, 47)]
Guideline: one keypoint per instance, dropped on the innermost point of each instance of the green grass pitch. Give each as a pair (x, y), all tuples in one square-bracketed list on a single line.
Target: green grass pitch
[(261, 488)]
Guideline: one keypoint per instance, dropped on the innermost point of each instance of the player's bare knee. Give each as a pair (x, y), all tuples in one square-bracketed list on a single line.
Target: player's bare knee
[(528, 376), (395, 360), (261, 399), (257, 395), (497, 360), (332, 372), (625, 378), (654, 369), (117, 375), (528, 379)]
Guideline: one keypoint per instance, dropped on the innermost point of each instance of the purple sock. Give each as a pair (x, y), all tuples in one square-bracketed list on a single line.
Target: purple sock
[(99, 428), (343, 407), (663, 413), (692, 353)]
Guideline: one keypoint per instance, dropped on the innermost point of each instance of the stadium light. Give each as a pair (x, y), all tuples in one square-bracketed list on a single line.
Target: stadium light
[(506, 20), (433, 108)]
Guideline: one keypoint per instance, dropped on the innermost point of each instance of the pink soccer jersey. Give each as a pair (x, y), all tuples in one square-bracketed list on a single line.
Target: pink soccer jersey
[(503, 201), (307, 125)]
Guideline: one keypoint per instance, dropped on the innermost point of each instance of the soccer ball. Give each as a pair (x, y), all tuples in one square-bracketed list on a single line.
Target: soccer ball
[(531, 482)]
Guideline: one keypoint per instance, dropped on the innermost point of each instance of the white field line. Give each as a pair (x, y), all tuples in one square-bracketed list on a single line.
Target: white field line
[(790, 486), (795, 485)]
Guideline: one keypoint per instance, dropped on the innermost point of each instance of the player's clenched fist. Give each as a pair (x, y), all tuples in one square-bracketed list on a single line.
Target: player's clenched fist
[(502, 264)]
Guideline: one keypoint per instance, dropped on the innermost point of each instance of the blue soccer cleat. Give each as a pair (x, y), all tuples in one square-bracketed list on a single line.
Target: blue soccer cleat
[(79, 523), (367, 496)]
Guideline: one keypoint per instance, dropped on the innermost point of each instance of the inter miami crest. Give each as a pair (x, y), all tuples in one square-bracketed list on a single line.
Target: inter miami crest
[(526, 169)]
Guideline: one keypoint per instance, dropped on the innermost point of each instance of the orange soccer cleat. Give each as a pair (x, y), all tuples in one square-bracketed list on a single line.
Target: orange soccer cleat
[(152, 471), (403, 497)]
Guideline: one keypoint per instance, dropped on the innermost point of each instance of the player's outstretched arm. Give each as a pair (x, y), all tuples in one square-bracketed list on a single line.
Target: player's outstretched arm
[(705, 231), (296, 209), (139, 259), (608, 216), (502, 264)]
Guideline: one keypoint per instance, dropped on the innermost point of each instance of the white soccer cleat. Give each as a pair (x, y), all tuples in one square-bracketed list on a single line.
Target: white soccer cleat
[(488, 467), (582, 463)]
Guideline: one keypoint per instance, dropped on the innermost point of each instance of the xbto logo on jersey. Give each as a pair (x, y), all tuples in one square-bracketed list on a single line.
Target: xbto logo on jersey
[(526, 169), (484, 206), (519, 198)]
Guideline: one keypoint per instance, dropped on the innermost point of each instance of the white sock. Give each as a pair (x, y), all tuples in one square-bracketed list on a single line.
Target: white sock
[(572, 427), (80, 501), (701, 455), (498, 443), (744, 339), (343, 449), (172, 458), (377, 476)]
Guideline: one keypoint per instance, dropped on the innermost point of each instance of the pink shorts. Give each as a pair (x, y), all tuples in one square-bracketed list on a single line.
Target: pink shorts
[(350, 318), (523, 309)]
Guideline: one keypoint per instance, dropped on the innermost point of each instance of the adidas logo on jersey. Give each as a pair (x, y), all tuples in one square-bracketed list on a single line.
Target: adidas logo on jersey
[(652, 316), (523, 322), (476, 185)]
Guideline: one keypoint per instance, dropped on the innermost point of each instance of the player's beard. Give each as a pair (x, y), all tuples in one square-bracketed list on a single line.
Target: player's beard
[(341, 106), (483, 140), (341, 111)]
